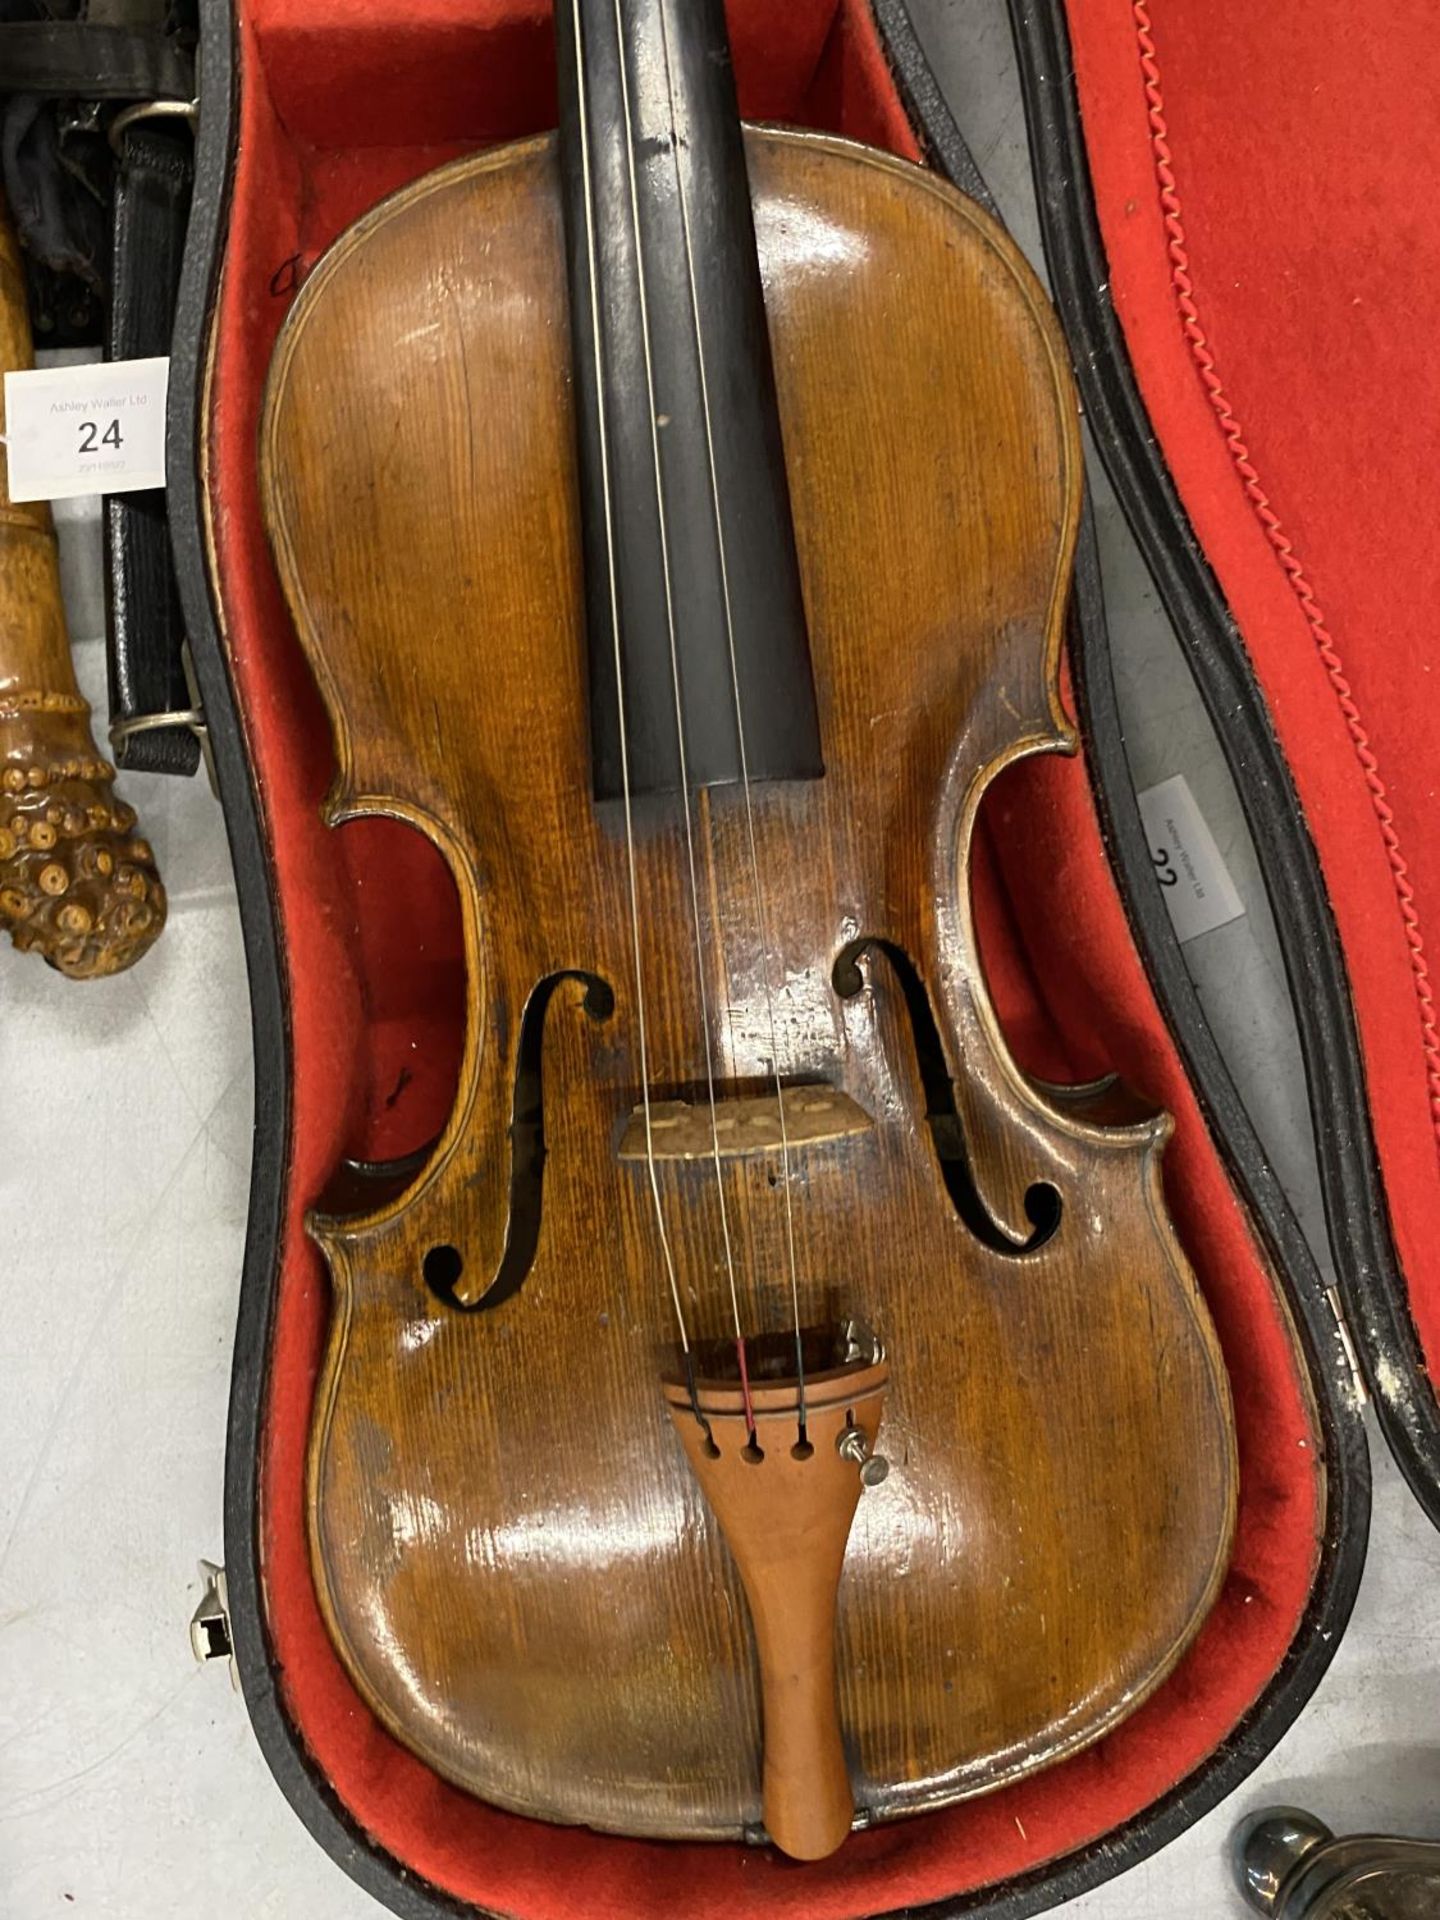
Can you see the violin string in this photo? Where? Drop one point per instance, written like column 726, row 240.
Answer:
column 680, row 724
column 754, row 860
column 636, row 944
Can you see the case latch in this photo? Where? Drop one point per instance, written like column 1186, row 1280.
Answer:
column 210, row 1635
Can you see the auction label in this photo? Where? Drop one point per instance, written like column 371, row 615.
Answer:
column 98, row 428
column 1194, row 879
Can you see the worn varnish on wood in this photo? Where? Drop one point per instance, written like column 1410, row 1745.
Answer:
column 518, row 1565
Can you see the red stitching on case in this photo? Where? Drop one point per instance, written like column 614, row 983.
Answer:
column 1285, row 553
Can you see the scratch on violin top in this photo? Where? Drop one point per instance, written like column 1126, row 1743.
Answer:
column 427, row 330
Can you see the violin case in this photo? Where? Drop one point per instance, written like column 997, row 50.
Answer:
column 1222, row 309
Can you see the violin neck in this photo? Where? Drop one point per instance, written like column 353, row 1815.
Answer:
column 698, row 658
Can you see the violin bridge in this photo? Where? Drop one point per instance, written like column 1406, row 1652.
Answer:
column 744, row 1124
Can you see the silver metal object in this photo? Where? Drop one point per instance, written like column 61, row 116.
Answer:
column 192, row 717
column 210, row 1635
column 862, row 1346
column 852, row 1445
column 1347, row 1343
column 186, row 110
column 1291, row 1866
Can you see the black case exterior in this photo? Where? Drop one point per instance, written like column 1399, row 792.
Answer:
column 1371, row 1283
column 1341, row 1551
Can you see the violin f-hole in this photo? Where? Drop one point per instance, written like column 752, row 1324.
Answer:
column 443, row 1266
column 1043, row 1205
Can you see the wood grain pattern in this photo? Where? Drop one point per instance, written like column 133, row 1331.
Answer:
column 78, row 886
column 514, row 1559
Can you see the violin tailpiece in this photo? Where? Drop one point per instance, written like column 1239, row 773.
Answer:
column 785, row 1507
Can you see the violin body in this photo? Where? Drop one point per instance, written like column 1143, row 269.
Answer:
column 514, row 1556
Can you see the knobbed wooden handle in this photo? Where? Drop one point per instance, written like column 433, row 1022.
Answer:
column 77, row 885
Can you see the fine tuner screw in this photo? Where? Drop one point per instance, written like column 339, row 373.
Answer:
column 852, row 1445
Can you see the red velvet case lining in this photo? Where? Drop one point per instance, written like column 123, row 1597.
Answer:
column 1264, row 183
column 340, row 106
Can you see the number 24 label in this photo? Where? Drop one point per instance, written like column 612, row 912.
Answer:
column 92, row 428
column 93, row 441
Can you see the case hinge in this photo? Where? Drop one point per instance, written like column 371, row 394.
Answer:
column 210, row 1635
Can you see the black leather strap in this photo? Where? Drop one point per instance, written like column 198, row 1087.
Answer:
column 85, row 60
column 146, row 626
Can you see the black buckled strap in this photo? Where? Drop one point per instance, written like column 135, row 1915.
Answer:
column 146, row 627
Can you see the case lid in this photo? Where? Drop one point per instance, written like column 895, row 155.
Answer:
column 1241, row 266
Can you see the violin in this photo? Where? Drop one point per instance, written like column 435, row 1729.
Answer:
column 764, row 1410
